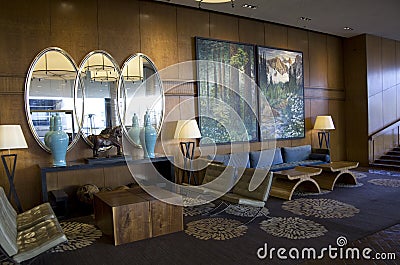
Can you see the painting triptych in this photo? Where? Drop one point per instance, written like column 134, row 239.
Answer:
column 248, row 92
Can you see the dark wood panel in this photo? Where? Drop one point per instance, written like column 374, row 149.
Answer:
column 224, row 27
column 24, row 31
column 165, row 218
column 318, row 60
column 335, row 62
column 356, row 99
column 126, row 40
column 298, row 41
column 276, row 36
column 74, row 27
column 190, row 23
column 132, row 222
column 251, row 31
column 374, row 64
column 158, row 34
column 338, row 136
column 388, row 63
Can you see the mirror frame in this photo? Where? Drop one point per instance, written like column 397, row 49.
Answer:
column 28, row 80
column 79, row 81
column 121, row 113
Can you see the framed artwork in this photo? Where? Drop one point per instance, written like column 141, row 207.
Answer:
column 226, row 92
column 281, row 80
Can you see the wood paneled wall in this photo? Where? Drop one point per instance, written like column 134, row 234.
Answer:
column 372, row 67
column 165, row 33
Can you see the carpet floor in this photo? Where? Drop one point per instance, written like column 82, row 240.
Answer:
column 317, row 221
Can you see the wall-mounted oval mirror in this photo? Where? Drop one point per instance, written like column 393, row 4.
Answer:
column 97, row 87
column 49, row 90
column 141, row 88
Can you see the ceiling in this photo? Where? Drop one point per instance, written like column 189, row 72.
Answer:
column 379, row 18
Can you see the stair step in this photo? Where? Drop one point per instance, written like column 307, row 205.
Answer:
column 396, row 149
column 387, row 161
column 392, row 152
column 390, row 157
column 385, row 165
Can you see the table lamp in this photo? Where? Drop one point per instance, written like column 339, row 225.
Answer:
column 187, row 129
column 11, row 137
column 324, row 124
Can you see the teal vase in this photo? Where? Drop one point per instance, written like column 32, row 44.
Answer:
column 148, row 137
column 51, row 129
column 134, row 131
column 58, row 143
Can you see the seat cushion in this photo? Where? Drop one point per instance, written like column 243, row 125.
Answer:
column 219, row 178
column 265, row 158
column 38, row 239
column 34, row 216
column 298, row 153
column 243, row 187
column 285, row 166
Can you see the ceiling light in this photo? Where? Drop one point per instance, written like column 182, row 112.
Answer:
column 305, row 18
column 249, row 6
column 348, row 28
column 215, row 2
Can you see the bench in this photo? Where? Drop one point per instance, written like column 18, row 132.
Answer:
column 26, row 235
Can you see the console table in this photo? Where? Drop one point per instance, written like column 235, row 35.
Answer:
column 101, row 174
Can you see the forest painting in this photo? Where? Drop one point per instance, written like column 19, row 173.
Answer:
column 227, row 91
column 280, row 75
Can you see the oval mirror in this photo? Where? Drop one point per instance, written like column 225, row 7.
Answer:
column 141, row 88
column 97, row 88
column 49, row 91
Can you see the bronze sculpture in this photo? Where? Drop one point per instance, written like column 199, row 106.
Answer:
column 107, row 137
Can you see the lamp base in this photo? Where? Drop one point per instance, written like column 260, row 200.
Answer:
column 10, row 175
column 324, row 136
column 187, row 149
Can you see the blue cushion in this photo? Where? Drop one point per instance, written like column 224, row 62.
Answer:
column 277, row 157
column 235, row 160
column 298, row 153
column 261, row 159
column 322, row 157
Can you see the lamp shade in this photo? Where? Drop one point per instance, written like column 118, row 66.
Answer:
column 11, row 137
column 54, row 65
column 187, row 129
column 324, row 123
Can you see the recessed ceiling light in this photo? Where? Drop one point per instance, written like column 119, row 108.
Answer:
column 249, row 6
column 305, row 18
column 348, row 28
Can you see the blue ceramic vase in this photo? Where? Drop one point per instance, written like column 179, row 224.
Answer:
column 134, row 131
column 148, row 137
column 51, row 129
column 58, row 143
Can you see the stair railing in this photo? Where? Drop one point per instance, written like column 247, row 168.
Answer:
column 390, row 131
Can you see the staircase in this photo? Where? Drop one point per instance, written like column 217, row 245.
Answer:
column 390, row 159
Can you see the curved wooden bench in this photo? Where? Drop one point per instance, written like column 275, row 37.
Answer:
column 335, row 172
column 285, row 182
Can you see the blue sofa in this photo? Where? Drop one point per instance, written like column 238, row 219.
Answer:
column 282, row 158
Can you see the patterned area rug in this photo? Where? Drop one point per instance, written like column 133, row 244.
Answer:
column 293, row 228
column 79, row 235
column 393, row 183
column 321, row 208
column 215, row 228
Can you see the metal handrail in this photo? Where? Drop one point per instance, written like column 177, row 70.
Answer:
column 381, row 131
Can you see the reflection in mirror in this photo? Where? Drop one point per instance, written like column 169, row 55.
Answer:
column 49, row 90
column 140, row 86
column 98, row 74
